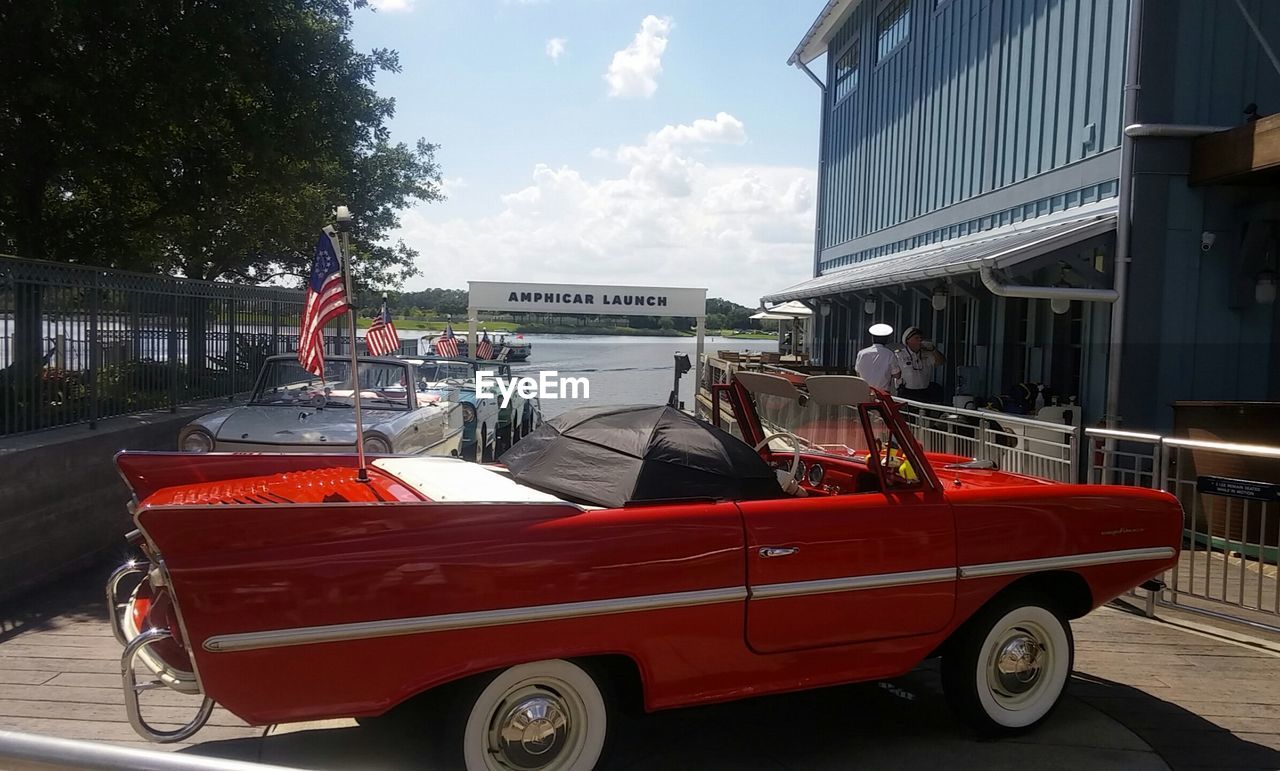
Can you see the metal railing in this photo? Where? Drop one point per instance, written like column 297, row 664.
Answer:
column 1230, row 562
column 1021, row 445
column 1124, row 458
column 46, row 752
column 79, row 344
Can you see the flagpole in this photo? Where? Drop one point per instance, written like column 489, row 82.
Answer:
column 344, row 251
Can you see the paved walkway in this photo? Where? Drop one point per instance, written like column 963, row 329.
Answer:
column 1146, row 695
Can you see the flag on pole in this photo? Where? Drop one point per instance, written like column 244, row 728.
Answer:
column 447, row 345
column 381, row 339
column 484, row 349
column 326, row 300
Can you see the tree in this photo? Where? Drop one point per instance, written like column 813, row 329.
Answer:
column 200, row 137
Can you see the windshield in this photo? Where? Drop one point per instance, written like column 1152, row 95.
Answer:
column 439, row 371
column 285, row 382
column 835, row 429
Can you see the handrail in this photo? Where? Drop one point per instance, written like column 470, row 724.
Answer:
column 1255, row 450
column 56, row 754
column 1111, row 432
column 1002, row 417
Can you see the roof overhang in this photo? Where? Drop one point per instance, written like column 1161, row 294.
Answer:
column 998, row 248
column 814, row 43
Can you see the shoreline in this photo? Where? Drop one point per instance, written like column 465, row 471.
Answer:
column 432, row 328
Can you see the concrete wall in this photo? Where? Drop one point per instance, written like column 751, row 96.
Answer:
column 62, row 504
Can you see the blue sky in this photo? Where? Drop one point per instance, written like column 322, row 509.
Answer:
column 592, row 141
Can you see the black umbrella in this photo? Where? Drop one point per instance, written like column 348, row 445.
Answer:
column 609, row 456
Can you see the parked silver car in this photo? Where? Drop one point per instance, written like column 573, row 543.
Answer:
column 293, row 410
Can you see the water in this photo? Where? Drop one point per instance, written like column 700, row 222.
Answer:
column 622, row 370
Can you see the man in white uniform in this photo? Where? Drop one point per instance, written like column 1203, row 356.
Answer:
column 876, row 364
column 916, row 359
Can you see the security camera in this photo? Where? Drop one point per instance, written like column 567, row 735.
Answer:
column 1206, row 240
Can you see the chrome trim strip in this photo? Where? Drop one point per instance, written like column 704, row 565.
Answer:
column 363, row 630
column 852, row 583
column 1068, row 561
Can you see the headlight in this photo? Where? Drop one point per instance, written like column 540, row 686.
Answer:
column 377, row 445
column 468, row 414
column 198, row 440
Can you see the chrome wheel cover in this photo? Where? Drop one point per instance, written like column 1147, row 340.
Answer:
column 1016, row 664
column 537, row 725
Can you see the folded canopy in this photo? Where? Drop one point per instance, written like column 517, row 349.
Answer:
column 611, row 456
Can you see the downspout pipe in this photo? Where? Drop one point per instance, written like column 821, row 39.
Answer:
column 1000, row 289
column 1124, row 218
column 818, row 223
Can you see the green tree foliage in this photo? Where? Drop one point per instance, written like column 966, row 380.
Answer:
column 721, row 314
column 206, row 137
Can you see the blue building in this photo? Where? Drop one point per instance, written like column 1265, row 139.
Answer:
column 1078, row 193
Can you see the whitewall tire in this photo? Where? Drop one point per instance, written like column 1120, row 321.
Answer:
column 544, row 716
column 1008, row 667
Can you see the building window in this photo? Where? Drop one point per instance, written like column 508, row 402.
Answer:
column 892, row 27
column 847, row 71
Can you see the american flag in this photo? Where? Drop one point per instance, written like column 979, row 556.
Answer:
column 484, row 350
column 326, row 300
column 447, row 345
column 381, row 339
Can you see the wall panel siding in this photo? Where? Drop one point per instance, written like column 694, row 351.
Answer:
column 983, row 94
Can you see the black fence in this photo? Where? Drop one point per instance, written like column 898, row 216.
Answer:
column 79, row 344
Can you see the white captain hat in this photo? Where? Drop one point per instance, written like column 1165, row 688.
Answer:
column 880, row 330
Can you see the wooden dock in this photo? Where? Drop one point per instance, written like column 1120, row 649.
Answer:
column 1146, row 694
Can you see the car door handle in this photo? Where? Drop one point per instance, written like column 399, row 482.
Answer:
column 778, row 551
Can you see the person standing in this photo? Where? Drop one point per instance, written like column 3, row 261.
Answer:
column 876, row 363
column 916, row 361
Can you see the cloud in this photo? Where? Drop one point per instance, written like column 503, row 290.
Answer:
column 667, row 214
column 392, row 6
column 634, row 71
column 555, row 48
column 449, row 186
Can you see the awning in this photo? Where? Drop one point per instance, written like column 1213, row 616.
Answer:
column 998, row 248
column 784, row 312
column 814, row 43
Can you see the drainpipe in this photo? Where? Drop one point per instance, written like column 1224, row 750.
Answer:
column 992, row 282
column 1132, row 85
column 818, row 223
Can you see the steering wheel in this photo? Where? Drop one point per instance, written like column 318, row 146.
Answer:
column 790, row 485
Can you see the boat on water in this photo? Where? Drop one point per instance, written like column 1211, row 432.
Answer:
column 508, row 348
column 513, row 348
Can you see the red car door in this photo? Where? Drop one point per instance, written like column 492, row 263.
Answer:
column 848, row 568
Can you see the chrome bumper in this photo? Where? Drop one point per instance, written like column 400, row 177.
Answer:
column 136, row 649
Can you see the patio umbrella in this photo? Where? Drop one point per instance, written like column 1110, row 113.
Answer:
column 610, row 456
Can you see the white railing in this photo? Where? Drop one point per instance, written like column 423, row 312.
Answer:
column 1230, row 562
column 1017, row 444
column 1124, row 458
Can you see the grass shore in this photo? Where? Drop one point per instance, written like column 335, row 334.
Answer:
column 507, row 327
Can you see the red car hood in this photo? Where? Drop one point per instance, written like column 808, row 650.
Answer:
column 950, row 471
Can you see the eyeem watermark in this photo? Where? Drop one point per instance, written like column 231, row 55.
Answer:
column 547, row 385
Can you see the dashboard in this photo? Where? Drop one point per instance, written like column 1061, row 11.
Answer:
column 826, row 475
